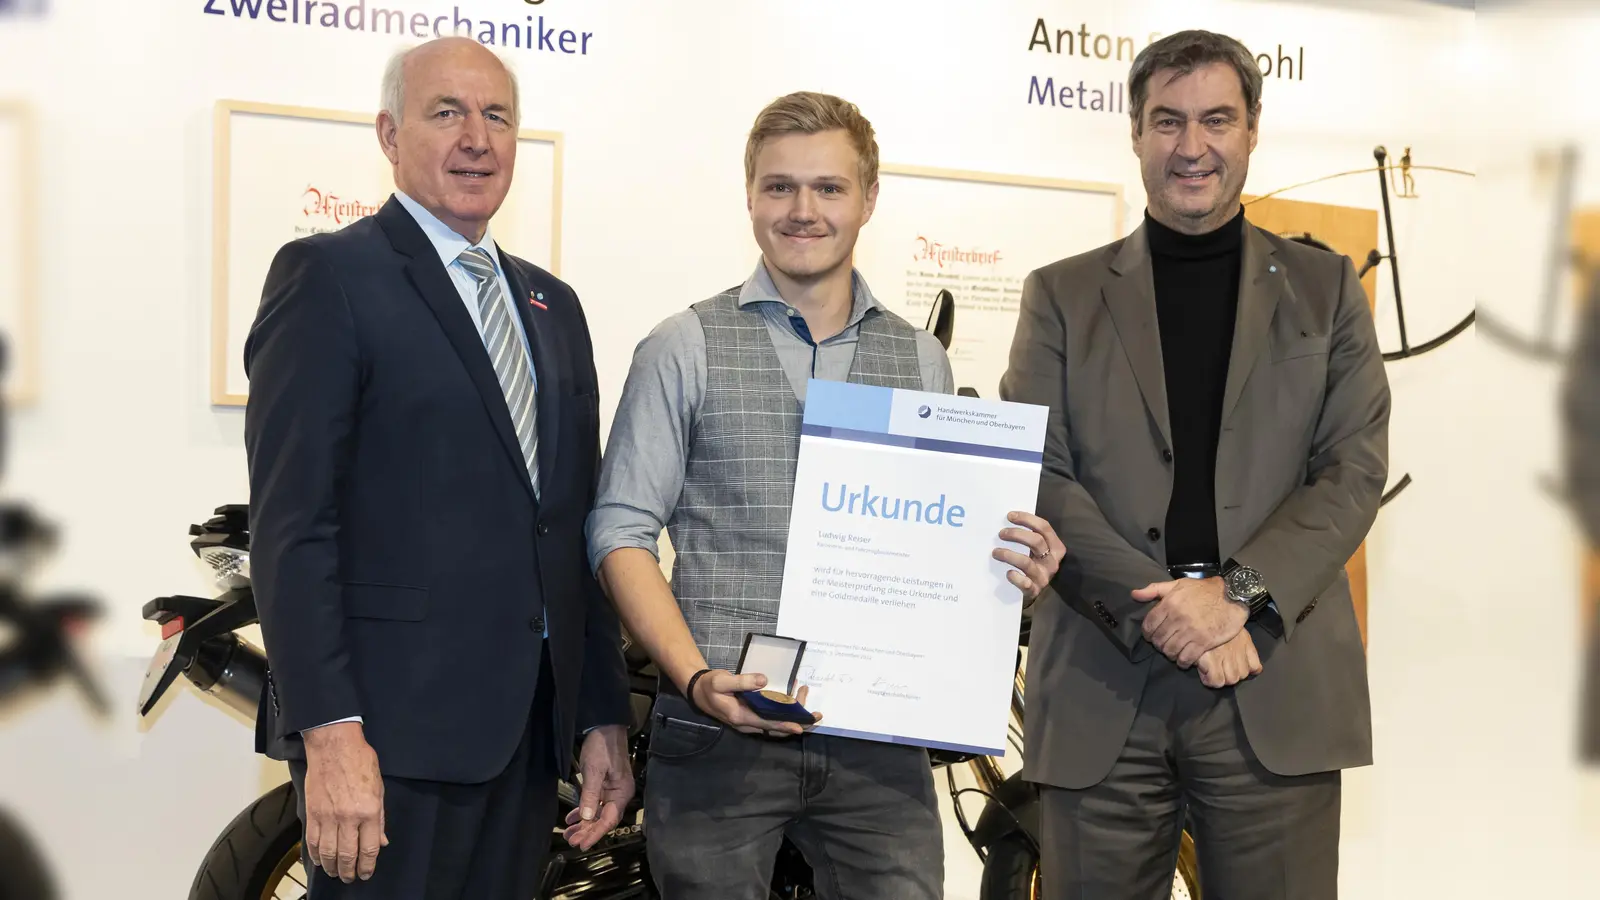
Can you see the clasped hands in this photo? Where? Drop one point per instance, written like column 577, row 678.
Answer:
column 1194, row 623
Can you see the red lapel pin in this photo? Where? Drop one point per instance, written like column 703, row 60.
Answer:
column 534, row 298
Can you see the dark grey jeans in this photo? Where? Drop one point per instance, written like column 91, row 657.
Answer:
column 718, row 804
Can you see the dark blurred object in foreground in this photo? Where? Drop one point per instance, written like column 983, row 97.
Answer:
column 37, row 644
column 36, row 633
column 1581, row 452
column 41, row 630
column 22, row 873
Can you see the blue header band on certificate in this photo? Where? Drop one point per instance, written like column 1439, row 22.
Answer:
column 926, row 420
column 841, row 404
column 917, row 443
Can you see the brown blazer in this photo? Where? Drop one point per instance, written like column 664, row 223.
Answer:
column 1301, row 464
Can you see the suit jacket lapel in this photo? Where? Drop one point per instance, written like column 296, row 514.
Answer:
column 1131, row 298
column 546, row 369
column 1261, row 282
column 431, row 280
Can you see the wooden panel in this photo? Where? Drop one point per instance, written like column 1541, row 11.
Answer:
column 1353, row 232
column 1356, row 568
column 1586, row 249
column 1591, row 590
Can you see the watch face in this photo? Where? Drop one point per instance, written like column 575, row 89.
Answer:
column 1245, row 582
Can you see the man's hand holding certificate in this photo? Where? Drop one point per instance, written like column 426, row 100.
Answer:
column 908, row 563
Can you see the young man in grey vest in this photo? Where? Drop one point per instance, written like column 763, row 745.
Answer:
column 705, row 445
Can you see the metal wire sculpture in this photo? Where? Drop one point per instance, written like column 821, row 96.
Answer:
column 1385, row 172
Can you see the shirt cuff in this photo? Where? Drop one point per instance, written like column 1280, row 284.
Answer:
column 613, row 527
column 334, row 722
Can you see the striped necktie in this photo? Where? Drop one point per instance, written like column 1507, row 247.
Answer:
column 505, row 353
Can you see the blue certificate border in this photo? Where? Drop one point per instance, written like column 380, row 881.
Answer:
column 918, row 443
column 862, row 413
column 896, row 739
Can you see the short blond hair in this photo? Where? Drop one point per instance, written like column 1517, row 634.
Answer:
column 807, row 112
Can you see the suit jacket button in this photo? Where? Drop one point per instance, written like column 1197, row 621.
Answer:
column 543, row 529
column 536, row 624
column 1153, row 534
column 1166, row 455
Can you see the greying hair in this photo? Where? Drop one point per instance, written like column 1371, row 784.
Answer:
column 393, row 95
column 808, row 112
column 1189, row 50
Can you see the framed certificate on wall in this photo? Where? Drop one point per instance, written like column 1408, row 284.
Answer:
column 283, row 173
column 976, row 235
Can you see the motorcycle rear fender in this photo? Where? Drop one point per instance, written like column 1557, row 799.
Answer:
column 162, row 610
column 214, row 618
column 1014, row 805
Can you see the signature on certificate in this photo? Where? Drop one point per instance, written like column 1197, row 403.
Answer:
column 808, row 675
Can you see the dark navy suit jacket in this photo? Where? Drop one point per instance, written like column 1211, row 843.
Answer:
column 403, row 568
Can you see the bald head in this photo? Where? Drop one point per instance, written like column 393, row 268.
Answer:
column 444, row 52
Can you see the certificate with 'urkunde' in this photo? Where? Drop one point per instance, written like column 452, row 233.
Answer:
column 910, row 623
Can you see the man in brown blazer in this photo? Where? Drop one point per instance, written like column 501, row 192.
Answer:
column 1217, row 448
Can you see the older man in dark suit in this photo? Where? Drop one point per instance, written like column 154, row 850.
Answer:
column 423, row 438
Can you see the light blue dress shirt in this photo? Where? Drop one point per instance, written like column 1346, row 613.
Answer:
column 451, row 245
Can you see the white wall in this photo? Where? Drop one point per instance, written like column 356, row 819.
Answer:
column 124, row 449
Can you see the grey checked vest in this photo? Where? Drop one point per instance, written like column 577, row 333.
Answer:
column 731, row 526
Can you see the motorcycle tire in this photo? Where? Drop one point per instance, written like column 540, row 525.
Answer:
column 1011, row 871
column 25, row 876
column 254, row 853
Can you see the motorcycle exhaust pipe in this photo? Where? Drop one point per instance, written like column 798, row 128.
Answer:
column 232, row 670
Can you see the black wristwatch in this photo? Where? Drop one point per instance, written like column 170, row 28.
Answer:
column 1244, row 585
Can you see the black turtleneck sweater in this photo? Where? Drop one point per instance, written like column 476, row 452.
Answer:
column 1197, row 293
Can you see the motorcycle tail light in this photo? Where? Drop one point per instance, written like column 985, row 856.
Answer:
column 171, row 627
column 230, row 567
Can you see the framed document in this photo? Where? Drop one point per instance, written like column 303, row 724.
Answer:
column 910, row 625
column 19, row 251
column 282, row 173
column 977, row 235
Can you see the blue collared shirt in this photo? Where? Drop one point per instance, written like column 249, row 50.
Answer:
column 642, row 471
column 451, row 245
